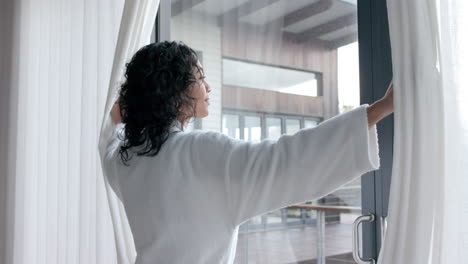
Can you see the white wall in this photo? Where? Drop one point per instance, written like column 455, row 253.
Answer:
column 202, row 33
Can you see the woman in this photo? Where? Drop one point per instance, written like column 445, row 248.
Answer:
column 185, row 194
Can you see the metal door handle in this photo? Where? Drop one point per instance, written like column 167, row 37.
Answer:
column 383, row 228
column 356, row 256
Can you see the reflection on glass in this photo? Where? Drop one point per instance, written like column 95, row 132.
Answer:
column 231, row 126
column 273, row 127
column 252, row 128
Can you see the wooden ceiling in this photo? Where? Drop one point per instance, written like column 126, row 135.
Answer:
column 333, row 22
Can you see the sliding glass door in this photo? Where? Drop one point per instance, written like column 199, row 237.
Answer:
column 275, row 67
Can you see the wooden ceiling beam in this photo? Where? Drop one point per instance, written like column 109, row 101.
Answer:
column 245, row 9
column 329, row 27
column 182, row 5
column 306, row 12
column 334, row 44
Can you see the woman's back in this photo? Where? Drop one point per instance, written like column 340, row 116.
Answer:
column 174, row 214
column 185, row 204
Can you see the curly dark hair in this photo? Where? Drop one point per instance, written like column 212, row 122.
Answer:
column 157, row 84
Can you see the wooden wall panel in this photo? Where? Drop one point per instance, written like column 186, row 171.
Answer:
column 269, row 45
column 258, row 100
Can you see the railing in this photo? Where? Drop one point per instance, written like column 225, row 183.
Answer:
column 321, row 209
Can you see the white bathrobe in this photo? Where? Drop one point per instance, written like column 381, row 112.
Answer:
column 185, row 204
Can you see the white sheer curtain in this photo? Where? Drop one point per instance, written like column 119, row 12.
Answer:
column 428, row 200
column 57, row 58
column 135, row 31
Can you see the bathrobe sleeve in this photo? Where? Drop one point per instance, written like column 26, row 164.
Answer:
column 109, row 168
column 260, row 177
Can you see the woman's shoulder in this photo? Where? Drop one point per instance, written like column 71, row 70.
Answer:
column 199, row 135
column 204, row 138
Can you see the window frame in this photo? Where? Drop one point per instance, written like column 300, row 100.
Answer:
column 263, row 115
column 375, row 67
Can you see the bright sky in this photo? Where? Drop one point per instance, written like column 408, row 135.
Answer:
column 348, row 75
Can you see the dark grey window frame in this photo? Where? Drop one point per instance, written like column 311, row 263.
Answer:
column 162, row 25
column 375, row 64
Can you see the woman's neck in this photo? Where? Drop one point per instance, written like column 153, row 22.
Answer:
column 184, row 123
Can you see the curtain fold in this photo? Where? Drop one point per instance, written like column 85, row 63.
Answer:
column 135, row 31
column 57, row 59
column 428, row 204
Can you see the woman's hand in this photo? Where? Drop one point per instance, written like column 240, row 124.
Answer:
column 387, row 100
column 382, row 108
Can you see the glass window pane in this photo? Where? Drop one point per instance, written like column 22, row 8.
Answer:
column 278, row 58
column 231, row 126
column 292, row 126
column 265, row 77
column 190, row 126
column 310, row 123
column 348, row 77
column 273, row 127
column 252, row 128
column 275, row 218
column 296, row 215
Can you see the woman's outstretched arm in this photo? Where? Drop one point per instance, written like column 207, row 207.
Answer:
column 259, row 177
column 255, row 178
